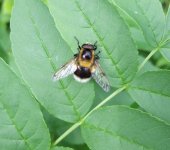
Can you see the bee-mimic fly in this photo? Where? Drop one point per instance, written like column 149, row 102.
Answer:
column 84, row 66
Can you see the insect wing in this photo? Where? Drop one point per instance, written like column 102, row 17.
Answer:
column 66, row 70
column 100, row 77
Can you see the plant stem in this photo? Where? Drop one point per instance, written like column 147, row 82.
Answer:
column 105, row 101
column 76, row 125
column 67, row 132
column 148, row 57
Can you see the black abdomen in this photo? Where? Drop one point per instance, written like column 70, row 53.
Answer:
column 83, row 72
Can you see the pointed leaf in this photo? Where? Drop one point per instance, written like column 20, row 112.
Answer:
column 151, row 91
column 148, row 15
column 22, row 124
column 123, row 128
column 39, row 51
column 96, row 20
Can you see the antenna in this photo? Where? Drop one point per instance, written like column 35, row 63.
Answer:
column 78, row 43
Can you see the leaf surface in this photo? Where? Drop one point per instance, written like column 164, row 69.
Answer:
column 165, row 49
column 149, row 18
column 39, row 51
column 22, row 124
column 61, row 148
column 167, row 33
column 123, row 128
column 151, row 91
column 96, row 20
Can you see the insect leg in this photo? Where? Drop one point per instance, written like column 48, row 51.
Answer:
column 75, row 55
column 97, row 55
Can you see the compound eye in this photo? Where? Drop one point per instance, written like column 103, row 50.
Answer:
column 86, row 55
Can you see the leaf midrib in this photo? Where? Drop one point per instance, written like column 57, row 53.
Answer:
column 14, row 124
column 53, row 65
column 148, row 21
column 101, row 41
column 114, row 134
column 124, row 11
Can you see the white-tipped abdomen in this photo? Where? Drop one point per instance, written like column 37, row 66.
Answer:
column 80, row 79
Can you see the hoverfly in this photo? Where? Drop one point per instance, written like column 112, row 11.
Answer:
column 84, row 66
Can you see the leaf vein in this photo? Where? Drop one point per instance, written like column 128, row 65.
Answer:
column 14, row 124
column 114, row 134
column 147, row 20
column 53, row 66
column 152, row 91
column 101, row 40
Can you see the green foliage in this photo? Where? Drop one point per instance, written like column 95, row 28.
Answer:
column 61, row 148
column 134, row 39
column 115, row 44
column 125, row 128
column 45, row 52
column 151, row 92
column 166, row 47
column 6, row 11
column 168, row 24
column 147, row 25
column 20, row 127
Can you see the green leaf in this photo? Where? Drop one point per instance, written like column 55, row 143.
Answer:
column 61, row 148
column 57, row 127
column 13, row 65
column 122, row 128
column 75, row 137
column 39, row 51
column 122, row 98
column 45, row 2
column 165, row 51
column 151, row 91
column 6, row 11
column 149, row 16
column 167, row 33
column 149, row 66
column 163, row 63
column 97, row 21
column 135, row 29
column 22, row 124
